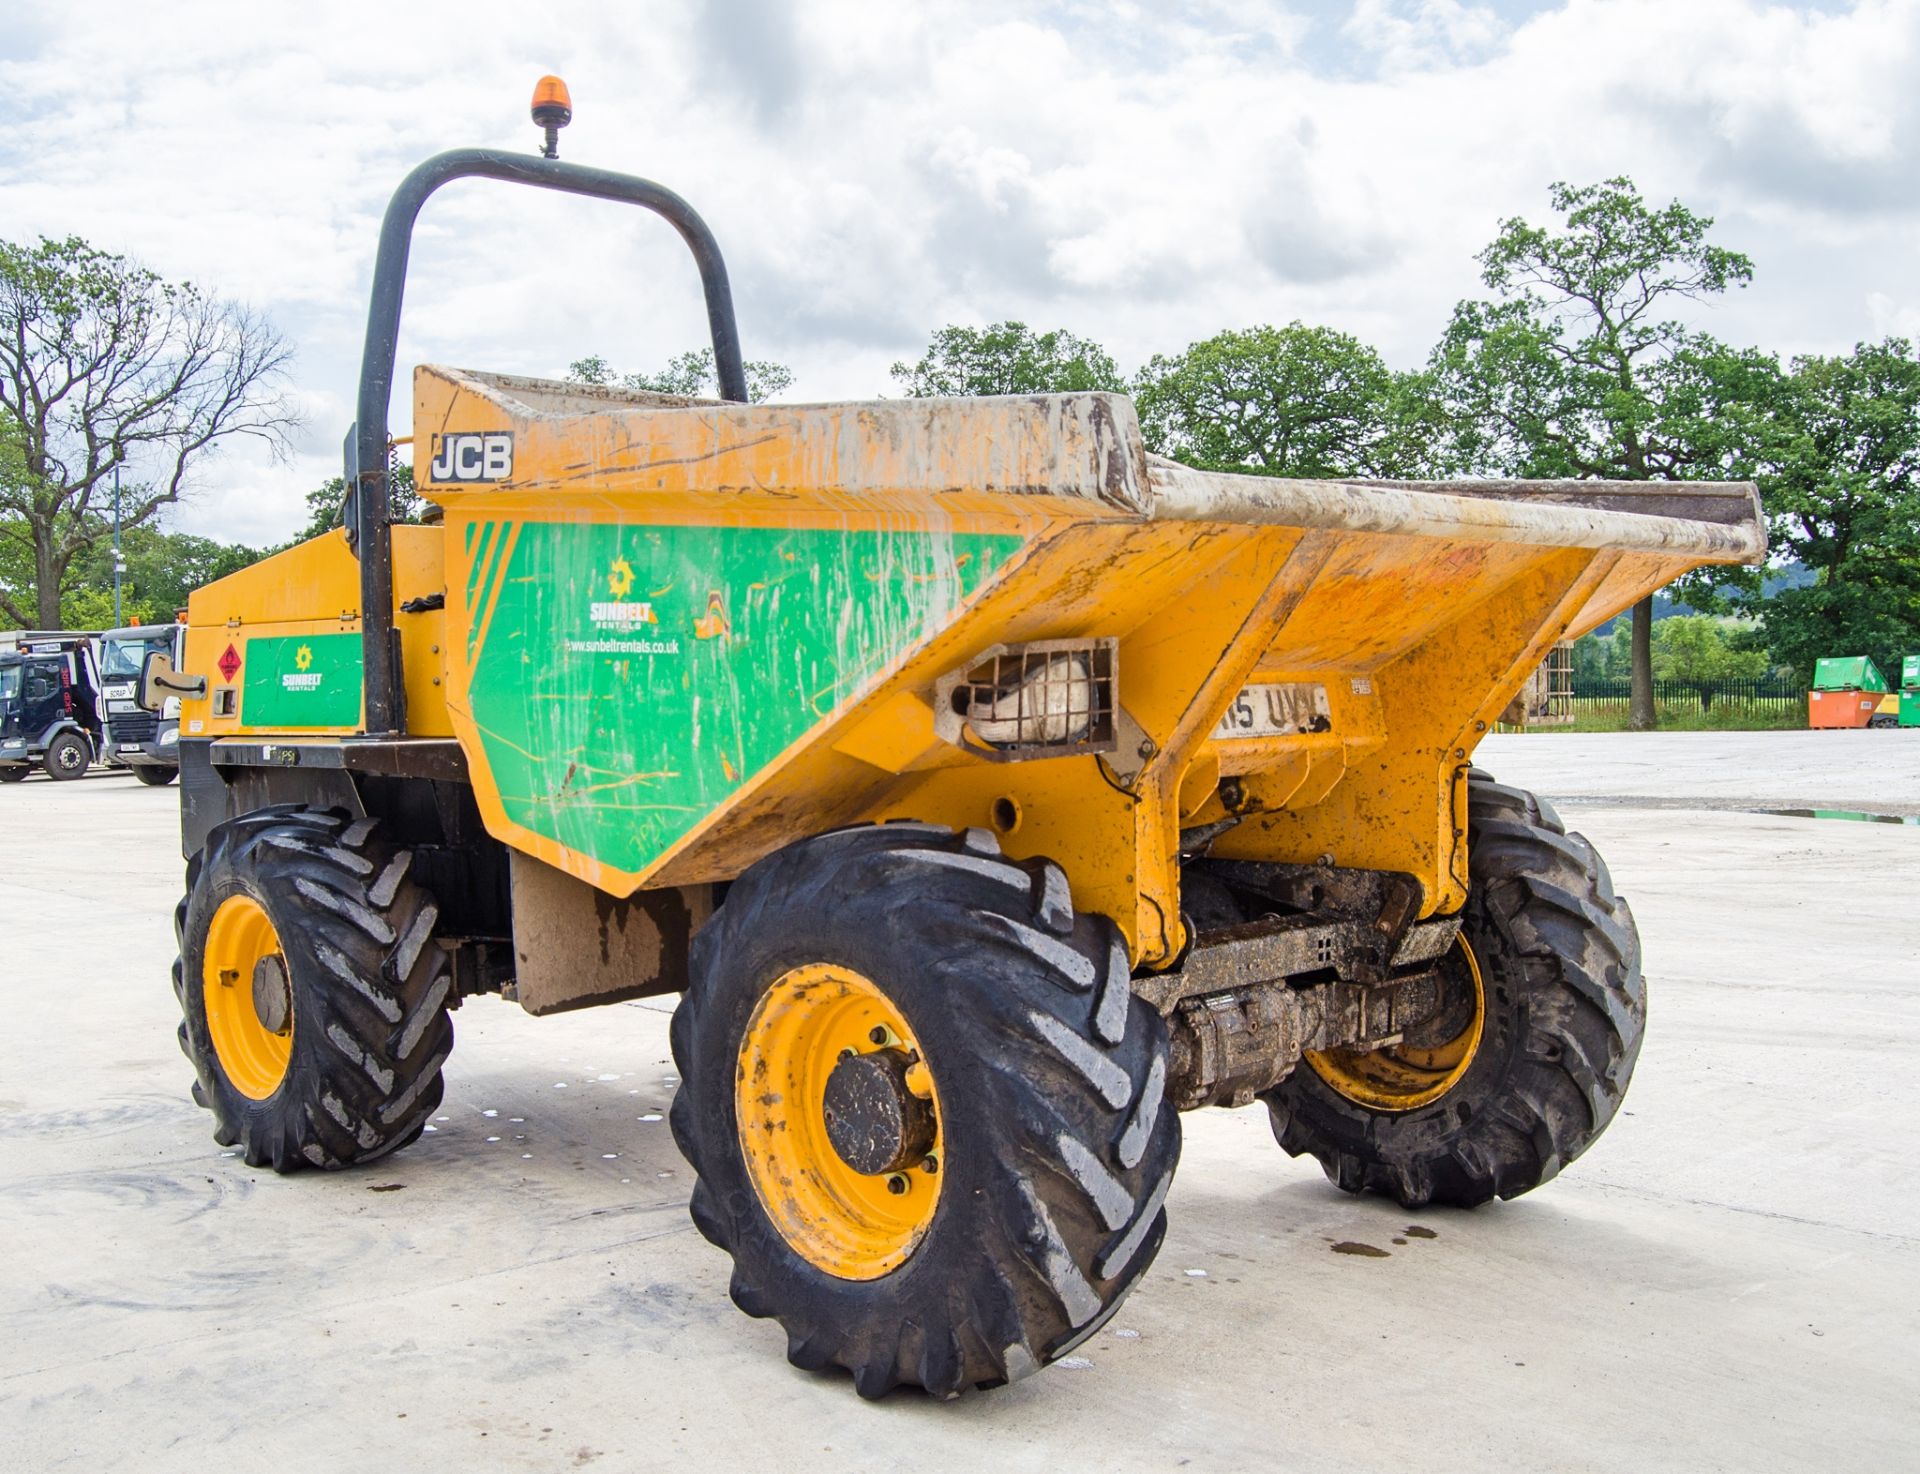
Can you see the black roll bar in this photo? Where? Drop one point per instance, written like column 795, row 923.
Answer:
column 367, row 477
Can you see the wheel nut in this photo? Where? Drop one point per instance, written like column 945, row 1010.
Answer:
column 878, row 1034
column 931, row 1165
column 897, row 1183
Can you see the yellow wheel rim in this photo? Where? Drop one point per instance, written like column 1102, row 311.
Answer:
column 253, row 1054
column 847, row 1223
column 1401, row 1077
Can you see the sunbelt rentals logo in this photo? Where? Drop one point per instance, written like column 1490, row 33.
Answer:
column 625, row 615
column 303, row 677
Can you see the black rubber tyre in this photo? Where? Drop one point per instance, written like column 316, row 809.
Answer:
column 1057, row 1149
column 1566, row 1007
column 67, row 756
column 1882, row 723
column 370, row 988
column 13, row 773
column 155, row 776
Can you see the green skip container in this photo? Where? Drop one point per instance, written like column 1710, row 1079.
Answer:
column 1849, row 673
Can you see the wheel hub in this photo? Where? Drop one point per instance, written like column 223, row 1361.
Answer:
column 876, row 1124
column 838, row 1120
column 272, row 998
column 1432, row 1058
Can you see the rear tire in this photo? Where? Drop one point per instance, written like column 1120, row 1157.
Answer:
column 155, row 776
column 13, row 773
column 368, row 989
column 67, row 756
column 1565, row 1011
column 1055, row 1148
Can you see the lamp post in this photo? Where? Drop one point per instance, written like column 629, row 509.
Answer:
column 118, row 565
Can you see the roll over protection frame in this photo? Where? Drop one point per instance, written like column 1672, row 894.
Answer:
column 367, row 476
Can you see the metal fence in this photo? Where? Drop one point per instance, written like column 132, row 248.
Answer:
column 1771, row 697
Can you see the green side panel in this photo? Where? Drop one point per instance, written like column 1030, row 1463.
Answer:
column 301, row 681
column 1910, row 708
column 1910, row 673
column 1847, row 673
column 632, row 679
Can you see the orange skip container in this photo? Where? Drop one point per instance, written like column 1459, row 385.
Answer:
column 1853, row 708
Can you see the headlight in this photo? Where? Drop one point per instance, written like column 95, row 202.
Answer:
column 1047, row 698
column 169, row 737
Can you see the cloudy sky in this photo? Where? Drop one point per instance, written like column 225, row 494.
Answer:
column 1145, row 174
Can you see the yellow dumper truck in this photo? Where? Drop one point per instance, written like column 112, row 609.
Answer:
column 990, row 789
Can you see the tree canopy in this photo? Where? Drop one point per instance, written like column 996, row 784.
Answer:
column 1577, row 366
column 1834, row 443
column 327, row 502
column 1007, row 358
column 1576, row 361
column 1291, row 401
column 689, row 375
column 104, row 369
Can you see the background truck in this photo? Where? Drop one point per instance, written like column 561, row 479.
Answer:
column 50, row 707
column 990, row 789
column 135, row 737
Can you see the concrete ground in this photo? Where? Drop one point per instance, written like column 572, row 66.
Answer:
column 1730, row 1280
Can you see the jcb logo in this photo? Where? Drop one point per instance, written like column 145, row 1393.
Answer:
column 487, row 457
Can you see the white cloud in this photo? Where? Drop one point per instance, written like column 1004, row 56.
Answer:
column 1144, row 174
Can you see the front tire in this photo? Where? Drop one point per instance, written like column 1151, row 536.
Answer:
column 1052, row 1142
column 67, row 756
column 1555, row 958
column 314, row 996
column 155, row 776
column 13, row 773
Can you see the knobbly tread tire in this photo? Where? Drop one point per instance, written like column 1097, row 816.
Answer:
column 1566, row 1012
column 371, row 988
column 1057, row 1147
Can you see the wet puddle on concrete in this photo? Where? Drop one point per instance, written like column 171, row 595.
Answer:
column 1856, row 816
column 1370, row 1251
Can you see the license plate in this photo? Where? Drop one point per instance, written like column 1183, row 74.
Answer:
column 122, row 706
column 1276, row 710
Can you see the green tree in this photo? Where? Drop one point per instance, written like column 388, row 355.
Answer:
column 1590, row 657
column 1007, row 358
column 1839, row 472
column 1578, row 368
column 1291, row 401
column 326, row 503
column 1695, row 647
column 106, row 368
column 688, row 375
column 162, row 569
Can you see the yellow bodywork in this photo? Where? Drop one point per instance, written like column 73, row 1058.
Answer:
column 314, row 589
column 1418, row 612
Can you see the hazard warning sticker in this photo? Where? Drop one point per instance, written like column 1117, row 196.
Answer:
column 229, row 663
